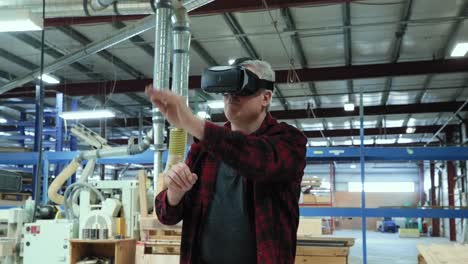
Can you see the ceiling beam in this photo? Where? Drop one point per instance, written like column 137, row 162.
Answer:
column 306, row 75
column 397, row 44
column 346, row 132
column 446, row 48
column 79, row 37
column 203, row 53
column 371, row 131
column 236, row 28
column 320, row 113
column 54, row 53
column 136, row 40
column 215, row 7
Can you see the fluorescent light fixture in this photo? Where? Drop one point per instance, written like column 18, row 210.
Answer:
column 13, row 20
column 410, row 130
column 218, row 104
column 29, row 133
column 231, row 61
column 349, row 107
column 203, row 114
column 460, row 50
column 353, row 166
column 4, row 134
column 92, row 114
column 3, row 120
column 383, row 141
column 49, row 79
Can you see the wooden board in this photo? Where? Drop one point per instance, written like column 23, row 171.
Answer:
column 320, row 260
column 144, row 255
column 444, row 254
column 310, row 226
column 123, row 251
column 142, row 193
column 322, row 251
column 348, row 242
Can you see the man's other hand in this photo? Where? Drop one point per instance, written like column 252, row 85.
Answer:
column 179, row 179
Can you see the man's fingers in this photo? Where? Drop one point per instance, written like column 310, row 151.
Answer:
column 179, row 177
column 194, row 178
column 184, row 173
column 174, row 180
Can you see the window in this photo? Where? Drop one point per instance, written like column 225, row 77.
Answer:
column 381, row 186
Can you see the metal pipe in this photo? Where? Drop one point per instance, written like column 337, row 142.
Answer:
column 161, row 73
column 88, row 50
column 447, row 122
column 74, row 8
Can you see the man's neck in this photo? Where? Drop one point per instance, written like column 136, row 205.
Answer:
column 249, row 127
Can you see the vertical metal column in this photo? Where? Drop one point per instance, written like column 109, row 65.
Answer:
column 435, row 221
column 451, row 171
column 162, row 52
column 22, row 129
column 58, row 122
column 58, row 128
column 422, row 194
column 73, row 140
column 363, row 177
column 38, row 140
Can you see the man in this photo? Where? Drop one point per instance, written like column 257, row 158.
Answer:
column 238, row 191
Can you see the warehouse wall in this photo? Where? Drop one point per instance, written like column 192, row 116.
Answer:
column 373, row 200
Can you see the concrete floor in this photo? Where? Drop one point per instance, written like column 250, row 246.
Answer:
column 386, row 248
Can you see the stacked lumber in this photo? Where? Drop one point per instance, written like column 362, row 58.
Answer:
column 442, row 254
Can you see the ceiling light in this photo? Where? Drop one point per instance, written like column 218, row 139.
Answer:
column 460, row 50
column 349, row 107
column 3, row 120
column 13, row 20
column 353, row 166
column 93, row 114
column 410, row 130
column 231, row 61
column 203, row 114
column 218, row 104
column 49, row 79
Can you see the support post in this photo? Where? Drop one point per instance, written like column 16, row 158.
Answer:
column 435, row 221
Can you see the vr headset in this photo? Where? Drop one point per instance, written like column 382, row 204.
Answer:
column 234, row 79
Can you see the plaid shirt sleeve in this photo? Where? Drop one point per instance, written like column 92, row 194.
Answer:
column 167, row 214
column 269, row 157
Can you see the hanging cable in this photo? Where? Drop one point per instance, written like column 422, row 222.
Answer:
column 292, row 76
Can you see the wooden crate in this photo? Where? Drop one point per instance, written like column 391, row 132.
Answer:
column 164, row 252
column 309, row 226
column 323, row 250
column 443, row 254
column 121, row 250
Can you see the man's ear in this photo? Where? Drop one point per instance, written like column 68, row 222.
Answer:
column 267, row 96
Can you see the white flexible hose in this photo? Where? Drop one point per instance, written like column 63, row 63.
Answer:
column 60, row 180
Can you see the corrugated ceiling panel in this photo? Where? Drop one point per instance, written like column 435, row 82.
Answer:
column 408, row 82
column 421, row 42
column 317, row 16
column 426, row 9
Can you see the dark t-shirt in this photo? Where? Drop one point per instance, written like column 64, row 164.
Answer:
column 228, row 235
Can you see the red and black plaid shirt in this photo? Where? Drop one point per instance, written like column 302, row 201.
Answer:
column 271, row 161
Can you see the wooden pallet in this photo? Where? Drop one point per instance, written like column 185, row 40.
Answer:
column 443, row 254
column 323, row 250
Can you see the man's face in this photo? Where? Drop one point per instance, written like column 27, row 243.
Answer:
column 243, row 109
